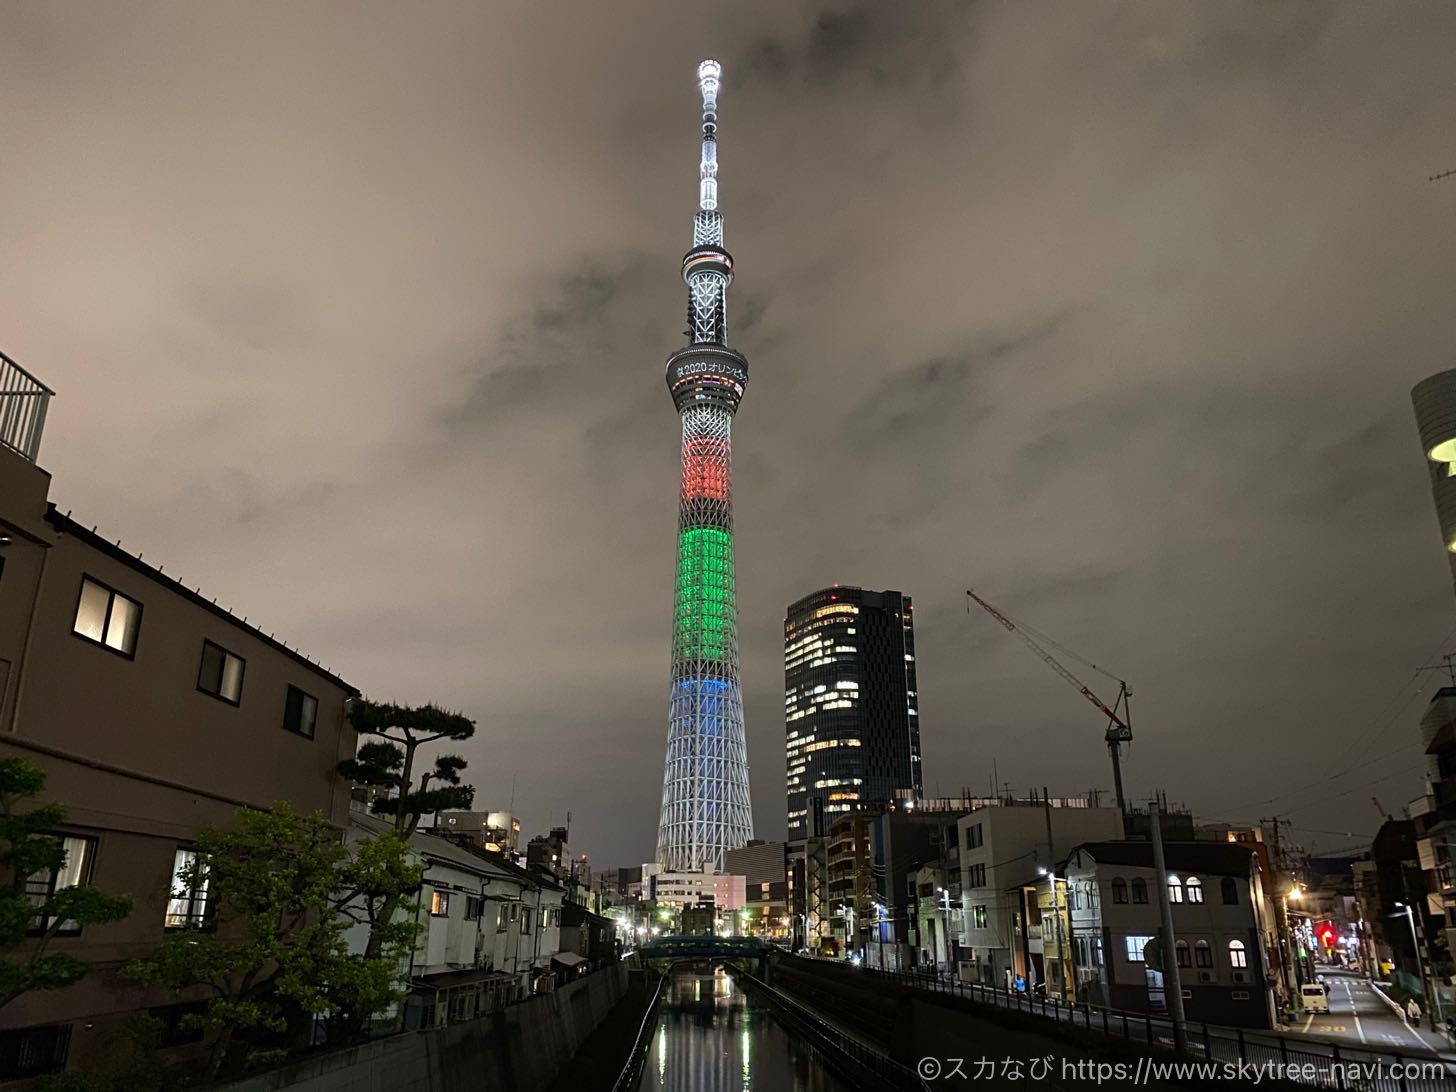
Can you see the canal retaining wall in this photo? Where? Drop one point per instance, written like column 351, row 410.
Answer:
column 517, row 1049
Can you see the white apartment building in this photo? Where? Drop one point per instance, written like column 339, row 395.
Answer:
column 1002, row 845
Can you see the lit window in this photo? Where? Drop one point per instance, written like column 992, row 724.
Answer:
column 75, row 870
column 1134, row 946
column 1237, row 956
column 187, row 905
column 439, row 904
column 1194, row 889
column 107, row 617
column 221, row 673
column 300, row 713
column 1175, row 889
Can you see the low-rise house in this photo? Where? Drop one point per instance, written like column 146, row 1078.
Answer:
column 489, row 930
column 1219, row 916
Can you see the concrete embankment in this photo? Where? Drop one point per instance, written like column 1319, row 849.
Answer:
column 518, row 1049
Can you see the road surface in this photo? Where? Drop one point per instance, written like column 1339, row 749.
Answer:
column 1358, row 1015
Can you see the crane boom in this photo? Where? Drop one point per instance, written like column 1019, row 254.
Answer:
column 1119, row 730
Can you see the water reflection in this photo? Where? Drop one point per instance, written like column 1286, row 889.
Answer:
column 714, row 1037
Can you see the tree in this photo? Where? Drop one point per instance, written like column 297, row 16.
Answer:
column 29, row 921
column 391, row 764
column 374, row 888
column 272, row 940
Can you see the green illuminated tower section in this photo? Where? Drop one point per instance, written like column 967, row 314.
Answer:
column 705, row 803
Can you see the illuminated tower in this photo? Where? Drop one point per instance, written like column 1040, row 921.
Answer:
column 705, row 804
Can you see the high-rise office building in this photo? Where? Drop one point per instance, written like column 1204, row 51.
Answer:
column 1434, row 399
column 705, row 805
column 851, row 709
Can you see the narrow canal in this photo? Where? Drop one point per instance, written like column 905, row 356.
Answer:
column 713, row 1036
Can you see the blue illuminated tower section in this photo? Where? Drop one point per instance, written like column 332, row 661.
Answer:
column 705, row 804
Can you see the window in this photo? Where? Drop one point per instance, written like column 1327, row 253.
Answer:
column 1119, row 890
column 472, row 908
column 1203, row 954
column 1183, row 954
column 976, row 876
column 1193, row 888
column 188, row 903
column 74, row 871
column 1074, row 897
column 439, row 904
column 525, row 919
column 978, row 917
column 503, row 917
column 973, row 837
column 29, row 1052
column 1175, row 889
column 1134, row 946
column 221, row 673
column 107, row 617
column 1139, row 890
column 1230, row 891
column 1238, row 958
column 300, row 713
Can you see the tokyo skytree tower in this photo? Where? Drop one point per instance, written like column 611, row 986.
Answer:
column 705, row 804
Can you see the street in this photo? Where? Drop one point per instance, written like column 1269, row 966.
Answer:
column 1360, row 1016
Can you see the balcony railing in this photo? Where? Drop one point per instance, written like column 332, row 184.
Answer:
column 23, row 400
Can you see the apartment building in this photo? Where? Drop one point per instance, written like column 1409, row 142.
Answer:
column 154, row 713
column 1005, row 842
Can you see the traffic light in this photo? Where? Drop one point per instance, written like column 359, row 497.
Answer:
column 1327, row 934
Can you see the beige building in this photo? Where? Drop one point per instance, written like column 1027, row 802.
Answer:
column 154, row 713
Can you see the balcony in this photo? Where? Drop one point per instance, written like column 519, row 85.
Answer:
column 23, row 400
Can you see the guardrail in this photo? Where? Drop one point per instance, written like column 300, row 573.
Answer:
column 1327, row 1064
column 632, row 1071
column 23, row 401
column 840, row 1049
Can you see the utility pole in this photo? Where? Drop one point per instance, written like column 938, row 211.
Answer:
column 1281, row 920
column 1172, row 983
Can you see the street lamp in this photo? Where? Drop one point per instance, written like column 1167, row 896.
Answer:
column 1433, row 999
column 1056, row 925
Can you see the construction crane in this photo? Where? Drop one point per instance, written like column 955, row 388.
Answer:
column 1119, row 730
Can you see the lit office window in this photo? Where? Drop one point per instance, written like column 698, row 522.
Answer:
column 188, row 902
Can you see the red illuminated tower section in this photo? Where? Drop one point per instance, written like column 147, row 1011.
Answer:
column 705, row 804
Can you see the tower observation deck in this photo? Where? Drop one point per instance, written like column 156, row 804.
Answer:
column 705, row 801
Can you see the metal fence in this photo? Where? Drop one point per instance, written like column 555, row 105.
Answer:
column 23, row 400
column 853, row 1058
column 1319, row 1063
column 632, row 1071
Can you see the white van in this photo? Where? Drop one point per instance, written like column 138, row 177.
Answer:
column 1313, row 995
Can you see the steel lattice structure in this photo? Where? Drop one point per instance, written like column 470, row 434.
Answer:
column 705, row 804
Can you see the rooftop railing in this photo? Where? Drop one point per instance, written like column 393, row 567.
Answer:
column 23, row 400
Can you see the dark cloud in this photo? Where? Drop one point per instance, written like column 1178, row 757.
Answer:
column 358, row 318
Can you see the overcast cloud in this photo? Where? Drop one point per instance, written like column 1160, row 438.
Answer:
column 357, row 316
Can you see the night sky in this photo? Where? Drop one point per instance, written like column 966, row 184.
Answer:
column 357, row 317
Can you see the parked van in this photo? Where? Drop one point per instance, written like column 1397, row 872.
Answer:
column 1314, row 997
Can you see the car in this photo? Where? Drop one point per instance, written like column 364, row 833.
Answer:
column 1314, row 997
